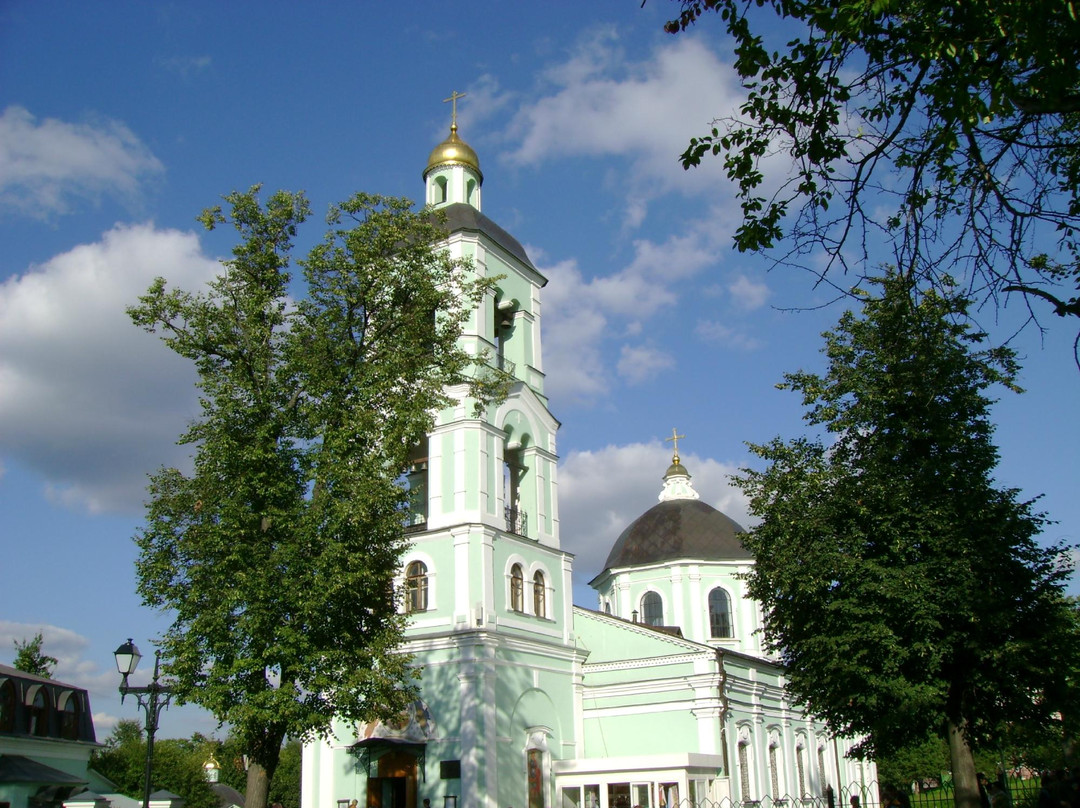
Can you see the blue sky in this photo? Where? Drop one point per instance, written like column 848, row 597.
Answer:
column 121, row 121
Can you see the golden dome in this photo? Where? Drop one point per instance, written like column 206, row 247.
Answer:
column 453, row 151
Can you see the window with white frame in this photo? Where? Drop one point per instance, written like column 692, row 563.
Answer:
column 517, row 589
column 539, row 595
column 652, row 609
column 720, row 614
column 416, row 587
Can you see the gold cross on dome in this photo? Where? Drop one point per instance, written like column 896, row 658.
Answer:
column 454, row 96
column 675, row 439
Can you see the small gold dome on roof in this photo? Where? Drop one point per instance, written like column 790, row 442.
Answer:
column 676, row 468
column 453, row 151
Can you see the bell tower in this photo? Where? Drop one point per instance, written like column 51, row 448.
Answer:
column 485, row 583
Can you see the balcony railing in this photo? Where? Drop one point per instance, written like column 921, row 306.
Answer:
column 517, row 522
column 414, row 521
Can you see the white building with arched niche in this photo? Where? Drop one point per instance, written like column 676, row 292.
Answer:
column 660, row 697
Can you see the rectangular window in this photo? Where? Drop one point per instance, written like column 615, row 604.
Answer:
column 618, row 795
column 640, row 795
column 669, row 795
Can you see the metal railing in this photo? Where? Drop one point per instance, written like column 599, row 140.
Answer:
column 1021, row 793
column 517, row 521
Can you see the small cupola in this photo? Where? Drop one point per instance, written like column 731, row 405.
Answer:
column 677, row 479
column 454, row 151
column 453, row 169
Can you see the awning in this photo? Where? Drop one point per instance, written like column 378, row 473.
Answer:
column 377, row 747
column 21, row 769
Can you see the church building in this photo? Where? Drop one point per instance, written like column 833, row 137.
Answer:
column 660, row 697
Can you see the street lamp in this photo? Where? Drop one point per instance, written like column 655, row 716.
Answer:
column 152, row 698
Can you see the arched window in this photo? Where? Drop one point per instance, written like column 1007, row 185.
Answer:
column 438, row 191
column 37, row 714
column 517, row 589
column 539, row 595
column 68, row 708
column 719, row 614
column 416, row 587
column 7, row 706
column 652, row 609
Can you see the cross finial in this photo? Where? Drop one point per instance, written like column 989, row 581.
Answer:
column 454, row 96
column 675, row 439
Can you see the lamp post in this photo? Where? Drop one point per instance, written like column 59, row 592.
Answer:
column 153, row 698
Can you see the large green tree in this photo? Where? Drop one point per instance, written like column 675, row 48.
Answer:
column 276, row 557
column 904, row 592
column 950, row 130
column 29, row 657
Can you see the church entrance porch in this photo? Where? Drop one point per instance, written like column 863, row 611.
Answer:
column 395, row 784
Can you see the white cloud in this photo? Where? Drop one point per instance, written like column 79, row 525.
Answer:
column 68, row 647
column 586, row 318
column 43, row 164
column 88, row 400
column 716, row 332
column 641, row 109
column 748, row 294
column 100, row 679
column 600, row 102
column 486, row 99
column 602, row 492
column 642, row 363
column 573, row 330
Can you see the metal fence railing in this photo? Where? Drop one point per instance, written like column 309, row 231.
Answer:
column 1021, row 793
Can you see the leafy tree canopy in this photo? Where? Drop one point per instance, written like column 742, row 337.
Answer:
column 904, row 592
column 29, row 658
column 951, row 129
column 179, row 766
column 277, row 555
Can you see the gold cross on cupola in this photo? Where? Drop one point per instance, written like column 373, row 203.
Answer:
column 675, row 439
column 454, row 96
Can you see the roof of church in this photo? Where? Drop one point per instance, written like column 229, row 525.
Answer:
column 680, row 527
column 675, row 529
column 460, row 216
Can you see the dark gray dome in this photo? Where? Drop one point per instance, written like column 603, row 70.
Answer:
column 678, row 529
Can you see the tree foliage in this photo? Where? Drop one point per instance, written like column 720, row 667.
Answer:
column 277, row 555
column 29, row 658
column 284, row 788
column 951, row 129
column 904, row 592
column 179, row 766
